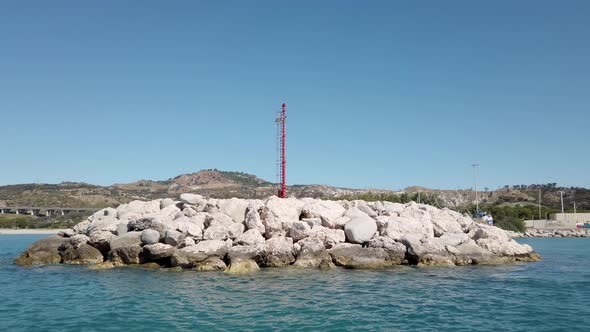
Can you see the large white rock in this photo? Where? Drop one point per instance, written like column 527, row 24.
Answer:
column 188, row 211
column 149, row 223
column 327, row 211
column 329, row 236
column 395, row 250
column 398, row 227
column 360, row 230
column 223, row 232
column 429, row 252
column 212, row 247
column 79, row 239
column 279, row 251
column 452, row 239
column 104, row 224
column 185, row 226
column 167, row 202
column 102, row 239
column 444, row 222
column 129, row 239
column 173, row 237
column 158, row 251
column 218, row 219
column 234, row 207
column 479, row 231
column 150, row 236
column 311, row 253
column 192, row 199
column 187, row 242
column 136, row 209
column 193, row 256
column 504, row 247
column 279, row 214
column 106, row 213
column 365, row 207
column 299, row 230
column 253, row 220
column 251, row 237
column 393, row 209
column 82, row 228
column 355, row 212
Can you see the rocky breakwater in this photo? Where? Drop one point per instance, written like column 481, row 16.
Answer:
column 548, row 232
column 238, row 236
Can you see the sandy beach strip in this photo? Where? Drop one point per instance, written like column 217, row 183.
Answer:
column 29, row 231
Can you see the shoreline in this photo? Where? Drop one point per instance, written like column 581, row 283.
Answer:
column 29, row 231
column 553, row 233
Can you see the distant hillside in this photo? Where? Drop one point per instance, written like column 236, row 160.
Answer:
column 223, row 184
column 514, row 195
column 211, row 183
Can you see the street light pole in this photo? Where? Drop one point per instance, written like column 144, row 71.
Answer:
column 475, row 165
column 540, row 205
column 561, row 194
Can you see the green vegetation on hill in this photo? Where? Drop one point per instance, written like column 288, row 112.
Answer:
column 426, row 198
column 244, row 179
column 25, row 221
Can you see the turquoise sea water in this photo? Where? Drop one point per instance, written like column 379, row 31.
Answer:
column 552, row 295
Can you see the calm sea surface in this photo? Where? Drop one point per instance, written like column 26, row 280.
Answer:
column 553, row 295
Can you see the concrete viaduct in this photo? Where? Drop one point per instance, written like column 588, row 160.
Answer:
column 42, row 211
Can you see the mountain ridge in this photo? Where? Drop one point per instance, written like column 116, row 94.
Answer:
column 225, row 184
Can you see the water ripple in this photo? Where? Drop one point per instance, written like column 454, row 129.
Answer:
column 546, row 296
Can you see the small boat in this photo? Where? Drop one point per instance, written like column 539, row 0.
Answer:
column 483, row 217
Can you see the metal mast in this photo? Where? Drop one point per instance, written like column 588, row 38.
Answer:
column 475, row 165
column 282, row 150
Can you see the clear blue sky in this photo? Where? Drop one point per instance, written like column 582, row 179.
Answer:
column 382, row 94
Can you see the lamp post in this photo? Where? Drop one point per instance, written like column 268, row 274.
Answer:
column 475, row 166
column 561, row 195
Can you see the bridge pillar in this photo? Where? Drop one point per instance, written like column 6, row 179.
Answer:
column 62, row 212
column 17, row 211
column 32, row 212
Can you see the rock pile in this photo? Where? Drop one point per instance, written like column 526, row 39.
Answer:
column 548, row 232
column 238, row 236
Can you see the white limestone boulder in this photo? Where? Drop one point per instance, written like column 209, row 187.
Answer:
column 253, row 221
column 186, row 226
column 251, row 237
column 279, row 214
column 235, row 208
column 223, row 232
column 299, row 230
column 396, row 252
column 150, row 236
column 397, row 227
column 192, row 199
column 173, row 237
column 279, row 252
column 136, row 209
column 158, row 251
column 218, row 219
column 192, row 256
column 360, row 230
column 327, row 211
column 444, row 222
column 129, row 239
column 311, row 253
column 329, row 236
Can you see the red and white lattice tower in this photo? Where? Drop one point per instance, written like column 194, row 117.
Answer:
column 281, row 151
